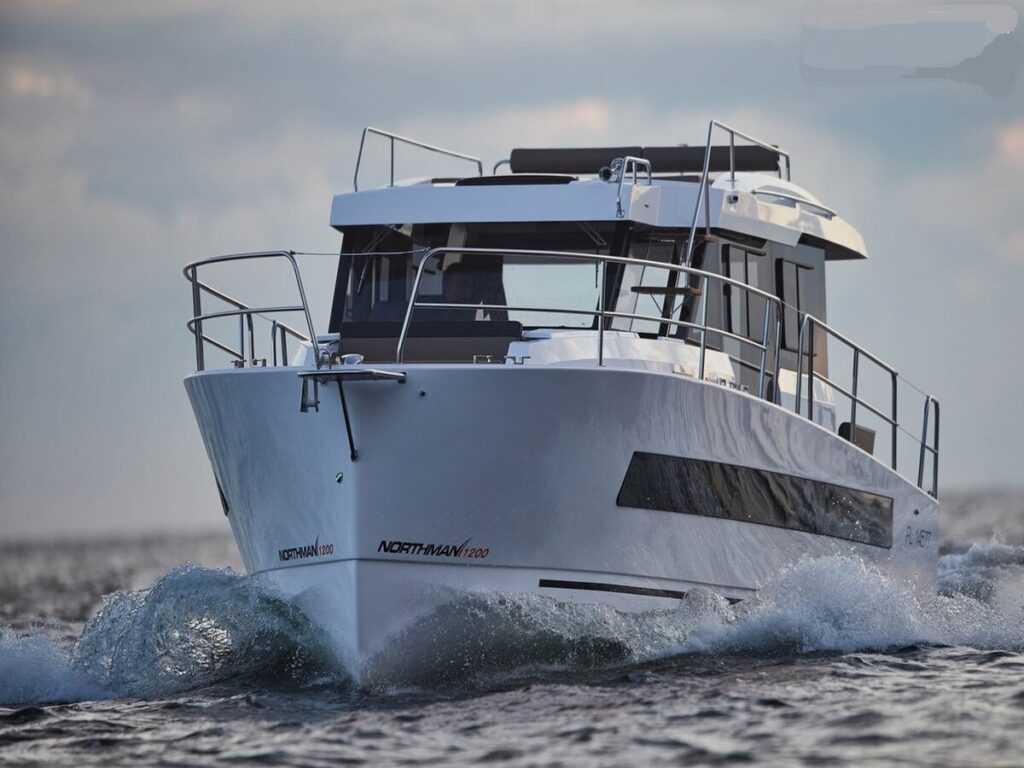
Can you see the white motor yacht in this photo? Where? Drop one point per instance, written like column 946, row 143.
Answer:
column 599, row 375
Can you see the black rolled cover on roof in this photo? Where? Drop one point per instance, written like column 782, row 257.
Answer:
column 663, row 159
column 579, row 160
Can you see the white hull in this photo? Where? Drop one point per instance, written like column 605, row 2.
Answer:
column 521, row 466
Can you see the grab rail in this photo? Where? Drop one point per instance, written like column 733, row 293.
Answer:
column 703, row 191
column 622, row 165
column 806, row 341
column 245, row 313
column 392, row 138
column 772, row 303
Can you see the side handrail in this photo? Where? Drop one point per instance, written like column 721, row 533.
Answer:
column 806, row 341
column 241, row 310
column 772, row 302
column 624, row 164
column 704, row 192
column 392, row 138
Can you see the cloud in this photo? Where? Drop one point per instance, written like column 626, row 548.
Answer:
column 491, row 133
column 1010, row 145
column 198, row 110
column 28, row 82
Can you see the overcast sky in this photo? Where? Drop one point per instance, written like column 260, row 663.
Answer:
column 135, row 137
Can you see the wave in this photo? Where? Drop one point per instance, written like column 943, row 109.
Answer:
column 194, row 628
column 846, row 605
column 197, row 628
column 822, row 605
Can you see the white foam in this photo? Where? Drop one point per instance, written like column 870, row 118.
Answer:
column 34, row 669
column 844, row 604
column 196, row 627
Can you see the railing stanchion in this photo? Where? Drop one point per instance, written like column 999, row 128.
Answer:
column 810, row 369
column 935, row 452
column 776, row 391
column 359, row 157
column 400, row 350
column 732, row 157
column 797, row 398
column 252, row 338
column 707, row 210
column 600, row 309
column 764, row 349
column 853, row 400
column 305, row 306
column 703, row 325
column 895, row 420
column 197, row 311
column 700, row 196
column 924, row 443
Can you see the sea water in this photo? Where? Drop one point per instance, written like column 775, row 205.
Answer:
column 121, row 652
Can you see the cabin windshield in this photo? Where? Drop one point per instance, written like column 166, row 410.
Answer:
column 379, row 264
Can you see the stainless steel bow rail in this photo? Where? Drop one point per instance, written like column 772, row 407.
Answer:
column 279, row 332
column 772, row 303
column 704, row 190
column 811, row 325
column 392, row 138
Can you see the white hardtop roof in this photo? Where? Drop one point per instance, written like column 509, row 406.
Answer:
column 756, row 204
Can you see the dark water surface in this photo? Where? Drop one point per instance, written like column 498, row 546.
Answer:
column 831, row 664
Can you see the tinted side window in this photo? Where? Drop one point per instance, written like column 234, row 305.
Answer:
column 744, row 312
column 791, row 280
column 748, row 495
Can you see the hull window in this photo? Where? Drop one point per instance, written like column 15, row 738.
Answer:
column 712, row 489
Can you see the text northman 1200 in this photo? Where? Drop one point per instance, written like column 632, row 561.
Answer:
column 462, row 550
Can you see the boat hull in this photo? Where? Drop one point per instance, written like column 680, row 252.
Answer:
column 490, row 478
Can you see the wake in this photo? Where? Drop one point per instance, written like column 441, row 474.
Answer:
column 197, row 627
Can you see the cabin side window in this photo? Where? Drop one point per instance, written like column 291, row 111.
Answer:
column 792, row 280
column 743, row 310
